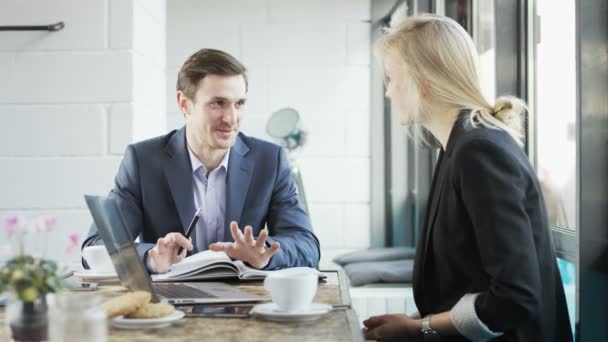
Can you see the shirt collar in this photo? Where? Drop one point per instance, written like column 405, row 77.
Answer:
column 196, row 163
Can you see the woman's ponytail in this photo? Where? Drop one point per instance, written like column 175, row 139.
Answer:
column 510, row 111
column 507, row 114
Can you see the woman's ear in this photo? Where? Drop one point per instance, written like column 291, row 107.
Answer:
column 425, row 89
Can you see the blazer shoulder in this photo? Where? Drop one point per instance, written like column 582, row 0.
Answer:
column 483, row 138
column 489, row 149
column 258, row 145
column 153, row 144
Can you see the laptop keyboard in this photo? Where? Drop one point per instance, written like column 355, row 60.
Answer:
column 171, row 290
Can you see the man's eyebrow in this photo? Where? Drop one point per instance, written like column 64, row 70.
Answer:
column 221, row 98
column 215, row 98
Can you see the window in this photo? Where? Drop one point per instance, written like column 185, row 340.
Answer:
column 567, row 271
column 484, row 35
column 555, row 110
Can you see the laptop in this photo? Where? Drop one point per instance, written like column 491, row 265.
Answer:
column 133, row 274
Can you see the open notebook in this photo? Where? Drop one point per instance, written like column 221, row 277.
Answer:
column 211, row 265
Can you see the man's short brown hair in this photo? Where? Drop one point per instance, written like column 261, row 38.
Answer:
column 207, row 62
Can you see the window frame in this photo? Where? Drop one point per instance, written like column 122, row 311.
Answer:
column 565, row 240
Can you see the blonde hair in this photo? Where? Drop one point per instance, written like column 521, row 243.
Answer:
column 436, row 50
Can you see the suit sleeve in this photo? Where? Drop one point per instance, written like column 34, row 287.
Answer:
column 127, row 195
column 493, row 186
column 289, row 224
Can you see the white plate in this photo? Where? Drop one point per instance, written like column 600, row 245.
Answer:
column 92, row 276
column 270, row 311
column 147, row 323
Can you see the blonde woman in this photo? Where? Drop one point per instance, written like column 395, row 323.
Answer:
column 485, row 266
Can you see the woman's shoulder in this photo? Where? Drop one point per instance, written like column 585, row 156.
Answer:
column 487, row 152
column 472, row 137
column 486, row 144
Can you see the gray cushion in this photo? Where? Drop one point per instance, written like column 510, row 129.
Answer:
column 376, row 254
column 394, row 271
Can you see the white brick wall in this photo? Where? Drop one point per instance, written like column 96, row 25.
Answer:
column 313, row 56
column 23, row 125
column 66, row 77
column 70, row 101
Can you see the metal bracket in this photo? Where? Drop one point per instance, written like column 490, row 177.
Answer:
column 51, row 28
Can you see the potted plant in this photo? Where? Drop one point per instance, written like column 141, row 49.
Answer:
column 27, row 279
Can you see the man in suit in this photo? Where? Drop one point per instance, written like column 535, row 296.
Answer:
column 236, row 181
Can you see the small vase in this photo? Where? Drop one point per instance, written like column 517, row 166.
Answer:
column 27, row 321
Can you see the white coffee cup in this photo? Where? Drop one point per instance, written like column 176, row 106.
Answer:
column 98, row 259
column 292, row 289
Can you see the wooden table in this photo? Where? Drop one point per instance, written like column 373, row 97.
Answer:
column 339, row 325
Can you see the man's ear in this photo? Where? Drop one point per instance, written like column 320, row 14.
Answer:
column 183, row 103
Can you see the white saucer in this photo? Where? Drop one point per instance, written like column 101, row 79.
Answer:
column 271, row 312
column 92, row 276
column 147, row 323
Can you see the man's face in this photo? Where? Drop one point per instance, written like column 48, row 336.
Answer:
column 214, row 115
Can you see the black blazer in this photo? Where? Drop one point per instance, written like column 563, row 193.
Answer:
column 486, row 232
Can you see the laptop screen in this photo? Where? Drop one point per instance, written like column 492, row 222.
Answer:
column 112, row 229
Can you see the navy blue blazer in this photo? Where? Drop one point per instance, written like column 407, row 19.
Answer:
column 153, row 189
column 486, row 232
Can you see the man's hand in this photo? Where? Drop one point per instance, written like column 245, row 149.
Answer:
column 164, row 254
column 246, row 248
column 389, row 326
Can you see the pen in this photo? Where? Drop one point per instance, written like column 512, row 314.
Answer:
column 66, row 275
column 190, row 229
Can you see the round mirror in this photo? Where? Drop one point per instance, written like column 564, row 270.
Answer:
column 282, row 123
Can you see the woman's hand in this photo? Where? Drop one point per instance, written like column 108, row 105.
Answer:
column 388, row 326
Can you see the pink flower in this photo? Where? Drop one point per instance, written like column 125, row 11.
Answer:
column 73, row 243
column 12, row 224
column 10, row 231
column 74, row 238
column 43, row 224
column 50, row 222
